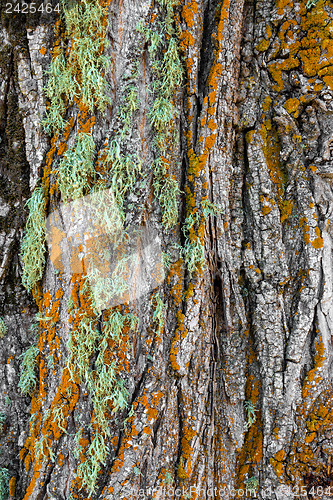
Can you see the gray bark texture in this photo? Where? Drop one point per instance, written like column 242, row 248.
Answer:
column 211, row 125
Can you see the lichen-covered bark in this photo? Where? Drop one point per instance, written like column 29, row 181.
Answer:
column 223, row 110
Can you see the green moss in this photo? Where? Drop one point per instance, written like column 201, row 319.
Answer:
column 105, row 386
column 167, row 192
column 161, row 116
column 60, row 417
column 28, row 378
column 33, row 242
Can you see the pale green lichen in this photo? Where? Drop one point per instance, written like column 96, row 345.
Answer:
column 4, row 483
column 33, row 242
column 159, row 311
column 43, row 450
column 95, row 457
column 105, row 386
column 3, row 328
column 76, row 168
column 252, row 484
column 250, row 411
column 122, row 172
column 310, row 4
column 81, row 74
column 3, row 418
column 28, row 378
column 167, row 192
column 194, row 255
column 168, row 76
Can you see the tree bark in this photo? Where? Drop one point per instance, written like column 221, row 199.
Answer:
column 223, row 112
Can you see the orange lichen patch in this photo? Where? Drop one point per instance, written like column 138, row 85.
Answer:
column 186, row 39
column 43, row 50
column 86, row 126
column 276, row 69
column 329, row 81
column 313, row 375
column 271, row 149
column 180, row 333
column 175, row 276
column 210, row 141
column 249, row 136
column 282, row 4
column 279, row 455
column 251, row 453
column 188, row 13
column 188, row 434
column 62, row 149
column 308, row 44
column 267, row 103
column 286, row 209
column 30, row 488
column 212, row 124
column 266, row 210
column 310, row 437
column 147, row 430
column 292, row 105
column 263, row 45
column 317, row 424
column 223, row 16
column 317, row 242
column 154, row 404
column 278, row 466
column 47, row 299
column 277, row 462
column 12, row 486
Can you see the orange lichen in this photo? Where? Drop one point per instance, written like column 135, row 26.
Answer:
column 188, row 13
column 12, row 486
column 266, row 210
column 292, row 105
column 286, row 208
column 271, row 148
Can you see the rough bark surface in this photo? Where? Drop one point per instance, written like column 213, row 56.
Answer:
column 232, row 381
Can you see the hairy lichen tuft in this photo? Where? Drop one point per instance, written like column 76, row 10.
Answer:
column 33, row 242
